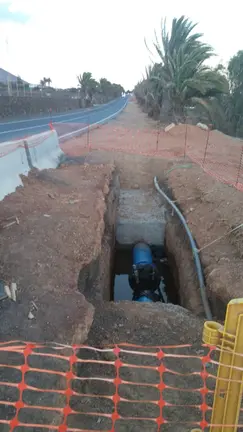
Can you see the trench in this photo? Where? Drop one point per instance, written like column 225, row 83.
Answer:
column 132, row 216
column 141, row 217
column 145, row 216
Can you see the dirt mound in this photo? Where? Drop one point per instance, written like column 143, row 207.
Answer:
column 144, row 324
column 212, row 210
column 61, row 226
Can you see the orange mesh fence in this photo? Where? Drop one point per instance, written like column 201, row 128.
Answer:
column 38, row 139
column 11, row 146
column 117, row 388
column 219, row 155
column 66, row 130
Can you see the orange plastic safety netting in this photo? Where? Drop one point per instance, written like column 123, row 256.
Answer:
column 33, row 141
column 117, row 388
column 219, row 155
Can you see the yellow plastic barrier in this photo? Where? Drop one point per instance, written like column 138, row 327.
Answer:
column 229, row 384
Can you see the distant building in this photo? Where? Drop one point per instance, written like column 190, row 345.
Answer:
column 6, row 77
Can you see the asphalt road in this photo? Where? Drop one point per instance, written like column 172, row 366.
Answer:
column 75, row 120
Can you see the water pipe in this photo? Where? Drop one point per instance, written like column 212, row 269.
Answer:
column 194, row 252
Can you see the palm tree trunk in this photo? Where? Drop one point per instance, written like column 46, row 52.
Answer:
column 166, row 110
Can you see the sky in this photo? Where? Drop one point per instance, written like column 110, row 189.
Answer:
column 61, row 40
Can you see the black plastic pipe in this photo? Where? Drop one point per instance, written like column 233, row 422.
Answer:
column 195, row 253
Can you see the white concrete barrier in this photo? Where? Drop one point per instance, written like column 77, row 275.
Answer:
column 44, row 150
column 13, row 163
column 19, row 157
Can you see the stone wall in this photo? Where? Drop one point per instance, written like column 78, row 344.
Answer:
column 11, row 106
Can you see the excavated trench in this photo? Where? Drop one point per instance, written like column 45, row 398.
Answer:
column 135, row 215
column 143, row 216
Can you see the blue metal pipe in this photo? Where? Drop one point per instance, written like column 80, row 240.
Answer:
column 144, row 278
column 144, row 299
column 142, row 254
column 194, row 252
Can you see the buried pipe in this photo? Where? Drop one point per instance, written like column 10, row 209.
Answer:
column 145, row 280
column 194, row 252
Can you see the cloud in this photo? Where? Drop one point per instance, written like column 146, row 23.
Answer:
column 7, row 13
column 64, row 39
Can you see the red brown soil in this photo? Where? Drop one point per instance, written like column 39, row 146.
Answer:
column 133, row 133
column 61, row 225
column 211, row 207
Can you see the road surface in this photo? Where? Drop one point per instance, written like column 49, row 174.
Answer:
column 63, row 123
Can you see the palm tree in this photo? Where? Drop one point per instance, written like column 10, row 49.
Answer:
column 117, row 90
column 108, row 90
column 149, row 91
column 182, row 77
column 48, row 81
column 232, row 104
column 44, row 81
column 88, row 86
column 105, row 88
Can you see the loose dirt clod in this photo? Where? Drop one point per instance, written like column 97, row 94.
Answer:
column 51, row 196
column 13, row 290
column 169, row 127
column 34, row 305
column 31, row 316
column 7, row 291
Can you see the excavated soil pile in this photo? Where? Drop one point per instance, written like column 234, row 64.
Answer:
column 212, row 210
column 60, row 233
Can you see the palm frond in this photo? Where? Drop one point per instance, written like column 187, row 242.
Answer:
column 181, row 73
